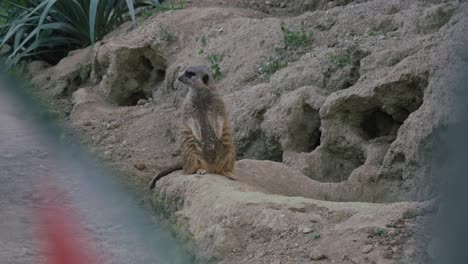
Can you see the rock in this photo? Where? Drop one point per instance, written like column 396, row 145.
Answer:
column 316, row 255
column 388, row 254
column 111, row 139
column 35, row 68
column 113, row 125
column 140, row 166
column 305, row 229
column 83, row 96
column 142, row 102
column 5, row 49
column 355, row 261
column 391, row 232
column 413, row 213
column 367, row 248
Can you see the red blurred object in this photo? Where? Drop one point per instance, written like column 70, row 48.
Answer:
column 59, row 232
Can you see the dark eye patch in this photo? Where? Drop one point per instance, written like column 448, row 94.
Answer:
column 189, row 74
column 205, row 79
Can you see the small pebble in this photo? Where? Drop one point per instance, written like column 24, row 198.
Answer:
column 316, row 255
column 305, row 229
column 140, row 166
column 367, row 248
column 142, row 102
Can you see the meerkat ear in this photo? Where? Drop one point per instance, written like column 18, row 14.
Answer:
column 205, row 79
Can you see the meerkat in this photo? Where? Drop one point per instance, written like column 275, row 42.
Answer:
column 206, row 137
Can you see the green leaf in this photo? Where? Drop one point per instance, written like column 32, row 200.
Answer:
column 45, row 12
column 132, row 12
column 92, row 19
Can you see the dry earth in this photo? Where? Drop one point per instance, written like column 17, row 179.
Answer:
column 348, row 130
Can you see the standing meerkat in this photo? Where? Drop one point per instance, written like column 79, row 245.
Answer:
column 206, row 137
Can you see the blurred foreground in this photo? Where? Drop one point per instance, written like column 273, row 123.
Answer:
column 49, row 190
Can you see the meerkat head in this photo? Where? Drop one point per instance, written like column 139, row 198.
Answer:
column 197, row 77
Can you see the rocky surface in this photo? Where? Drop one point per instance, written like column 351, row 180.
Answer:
column 351, row 113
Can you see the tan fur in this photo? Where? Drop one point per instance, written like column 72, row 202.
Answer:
column 206, row 137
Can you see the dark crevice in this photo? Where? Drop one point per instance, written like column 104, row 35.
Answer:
column 257, row 146
column 314, row 141
column 133, row 98
column 147, row 63
column 379, row 124
column 160, row 75
column 304, row 134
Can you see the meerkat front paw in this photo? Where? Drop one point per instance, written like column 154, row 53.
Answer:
column 201, row 172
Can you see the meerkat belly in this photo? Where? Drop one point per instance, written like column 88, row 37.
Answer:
column 210, row 144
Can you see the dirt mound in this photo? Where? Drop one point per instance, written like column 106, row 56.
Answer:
column 350, row 95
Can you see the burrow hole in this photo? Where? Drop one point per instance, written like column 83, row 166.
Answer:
column 146, row 76
column 377, row 123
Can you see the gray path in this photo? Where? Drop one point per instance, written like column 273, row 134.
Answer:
column 119, row 230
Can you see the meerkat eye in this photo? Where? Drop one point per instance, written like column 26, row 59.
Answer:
column 205, row 79
column 189, row 74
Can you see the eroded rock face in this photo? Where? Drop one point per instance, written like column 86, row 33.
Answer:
column 364, row 97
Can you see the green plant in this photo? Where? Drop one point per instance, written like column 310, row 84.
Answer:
column 295, row 39
column 270, row 65
column 374, row 33
column 49, row 29
column 214, row 64
column 166, row 35
column 378, row 231
column 146, row 13
column 340, row 60
column 166, row 6
column 85, row 71
column 314, row 235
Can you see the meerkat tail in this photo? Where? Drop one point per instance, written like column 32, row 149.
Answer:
column 163, row 173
